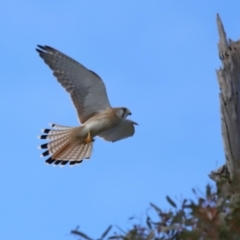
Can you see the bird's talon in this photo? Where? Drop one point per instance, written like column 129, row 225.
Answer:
column 88, row 139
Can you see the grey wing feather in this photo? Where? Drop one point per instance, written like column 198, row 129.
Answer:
column 123, row 130
column 86, row 88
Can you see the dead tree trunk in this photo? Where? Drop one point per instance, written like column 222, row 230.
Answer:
column 229, row 82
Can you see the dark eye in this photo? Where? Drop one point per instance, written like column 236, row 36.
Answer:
column 124, row 111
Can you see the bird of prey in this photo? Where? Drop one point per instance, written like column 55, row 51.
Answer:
column 88, row 92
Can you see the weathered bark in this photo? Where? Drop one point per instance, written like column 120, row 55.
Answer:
column 229, row 83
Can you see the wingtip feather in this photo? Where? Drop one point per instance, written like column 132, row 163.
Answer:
column 78, row 162
column 63, row 163
column 72, row 163
column 46, row 153
column 45, row 130
column 42, row 137
column 52, row 125
column 57, row 162
column 43, row 146
column 50, row 160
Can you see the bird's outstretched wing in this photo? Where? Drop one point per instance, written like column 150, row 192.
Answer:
column 86, row 88
column 123, row 130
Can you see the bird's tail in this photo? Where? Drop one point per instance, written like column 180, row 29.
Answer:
column 61, row 148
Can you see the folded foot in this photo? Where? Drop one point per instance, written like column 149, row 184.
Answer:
column 88, row 139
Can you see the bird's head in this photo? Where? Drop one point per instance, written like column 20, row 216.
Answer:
column 124, row 112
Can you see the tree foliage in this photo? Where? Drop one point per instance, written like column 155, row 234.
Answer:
column 206, row 217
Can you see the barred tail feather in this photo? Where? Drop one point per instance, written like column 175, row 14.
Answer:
column 89, row 152
column 55, row 133
column 80, row 153
column 62, row 148
column 53, row 125
column 55, row 145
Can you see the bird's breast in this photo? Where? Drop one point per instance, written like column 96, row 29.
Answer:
column 101, row 122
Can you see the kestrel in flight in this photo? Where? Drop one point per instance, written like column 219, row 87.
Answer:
column 89, row 96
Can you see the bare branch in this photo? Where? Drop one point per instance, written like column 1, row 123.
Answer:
column 229, row 83
column 222, row 45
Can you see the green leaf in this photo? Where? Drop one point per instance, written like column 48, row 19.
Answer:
column 156, row 208
column 151, row 235
column 167, row 228
column 121, row 230
column 171, row 202
column 80, row 234
column 106, row 232
column 183, row 203
column 194, row 191
column 149, row 222
column 208, row 191
column 116, row 237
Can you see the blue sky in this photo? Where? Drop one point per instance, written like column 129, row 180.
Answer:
column 158, row 58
